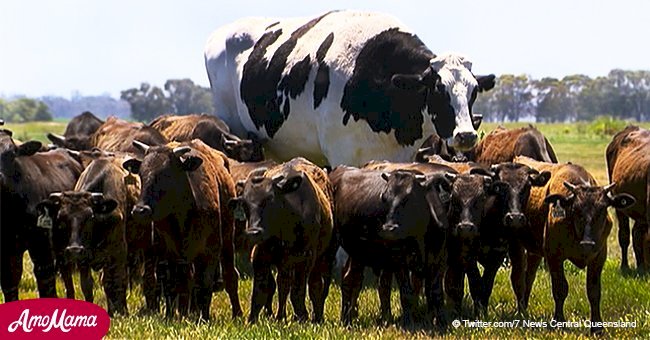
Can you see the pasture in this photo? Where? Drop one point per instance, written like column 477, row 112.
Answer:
column 624, row 298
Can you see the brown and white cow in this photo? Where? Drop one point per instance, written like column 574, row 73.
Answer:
column 289, row 212
column 628, row 159
column 185, row 192
column 212, row 131
column 569, row 221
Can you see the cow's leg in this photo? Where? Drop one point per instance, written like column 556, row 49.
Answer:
column 489, row 274
column 518, row 274
column 114, row 281
column 384, row 289
column 230, row 277
column 86, row 282
column 350, row 289
column 639, row 231
column 183, row 275
column 204, row 276
column 317, row 289
column 168, row 287
column 454, row 286
column 66, row 270
column 476, row 288
column 40, row 250
column 11, row 267
column 560, row 287
column 531, row 272
column 407, row 297
column 299, row 289
column 149, row 286
column 623, row 238
column 285, row 278
column 594, row 271
column 262, row 278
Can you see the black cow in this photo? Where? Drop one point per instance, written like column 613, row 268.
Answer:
column 78, row 132
column 26, row 178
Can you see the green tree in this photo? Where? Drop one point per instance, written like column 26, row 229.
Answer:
column 25, row 110
column 147, row 102
column 188, row 98
column 553, row 101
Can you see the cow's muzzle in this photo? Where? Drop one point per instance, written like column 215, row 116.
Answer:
column 390, row 231
column 141, row 211
column 74, row 252
column 466, row 230
column 464, row 141
column 587, row 245
column 514, row 220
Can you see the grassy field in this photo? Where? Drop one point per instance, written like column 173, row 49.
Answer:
column 624, row 298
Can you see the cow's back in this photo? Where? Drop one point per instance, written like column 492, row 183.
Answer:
column 628, row 161
column 118, row 135
column 503, row 145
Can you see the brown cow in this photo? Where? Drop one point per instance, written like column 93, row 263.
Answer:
column 628, row 160
column 212, row 131
column 118, row 135
column 78, row 132
column 289, row 211
column 185, row 191
column 569, row 221
column 502, row 145
column 26, row 178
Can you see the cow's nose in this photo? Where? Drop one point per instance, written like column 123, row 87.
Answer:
column 514, row 219
column 389, row 227
column 467, row 229
column 587, row 245
column 465, row 140
column 74, row 249
column 255, row 234
column 141, row 211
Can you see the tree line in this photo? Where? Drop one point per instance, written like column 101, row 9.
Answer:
column 623, row 95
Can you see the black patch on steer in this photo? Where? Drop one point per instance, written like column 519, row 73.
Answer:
column 370, row 94
column 262, row 79
column 322, row 81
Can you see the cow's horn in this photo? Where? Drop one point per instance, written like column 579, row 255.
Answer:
column 609, row 187
column 181, row 150
column 141, row 146
column 96, row 195
column 420, row 177
column 56, row 195
column 569, row 186
column 426, row 149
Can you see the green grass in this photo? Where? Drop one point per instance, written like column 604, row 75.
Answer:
column 623, row 297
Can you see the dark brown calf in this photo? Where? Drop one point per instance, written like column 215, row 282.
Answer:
column 289, row 212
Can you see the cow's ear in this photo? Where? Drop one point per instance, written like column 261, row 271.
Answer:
column 408, row 82
column 57, row 140
column 289, row 184
column 132, row 165
column 239, row 187
column 29, row 148
column 621, row 201
column 439, row 182
column 191, row 163
column 47, row 207
column 104, row 206
column 485, row 83
column 540, row 179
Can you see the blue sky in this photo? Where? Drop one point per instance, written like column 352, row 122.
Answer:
column 60, row 46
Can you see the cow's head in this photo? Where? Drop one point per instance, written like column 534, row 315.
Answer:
column 9, row 152
column 409, row 195
column 512, row 183
column 243, row 150
column 469, row 195
column 73, row 142
column 451, row 91
column 81, row 221
column 163, row 174
column 585, row 207
column 274, row 205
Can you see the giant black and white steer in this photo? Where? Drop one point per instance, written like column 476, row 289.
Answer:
column 345, row 87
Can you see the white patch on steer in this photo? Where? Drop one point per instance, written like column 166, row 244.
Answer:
column 455, row 73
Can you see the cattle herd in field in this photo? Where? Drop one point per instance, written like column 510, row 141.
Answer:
column 412, row 194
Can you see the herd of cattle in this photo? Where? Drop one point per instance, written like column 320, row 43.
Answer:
column 174, row 200
column 176, row 210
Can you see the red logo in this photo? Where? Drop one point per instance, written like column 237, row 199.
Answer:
column 52, row 319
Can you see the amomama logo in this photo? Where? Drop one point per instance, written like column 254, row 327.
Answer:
column 52, row 319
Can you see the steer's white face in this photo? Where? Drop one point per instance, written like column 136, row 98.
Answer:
column 455, row 73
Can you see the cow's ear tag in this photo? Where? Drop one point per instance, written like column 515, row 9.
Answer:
column 44, row 220
column 557, row 211
column 239, row 213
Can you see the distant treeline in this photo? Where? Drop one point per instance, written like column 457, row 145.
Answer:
column 21, row 109
column 622, row 95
